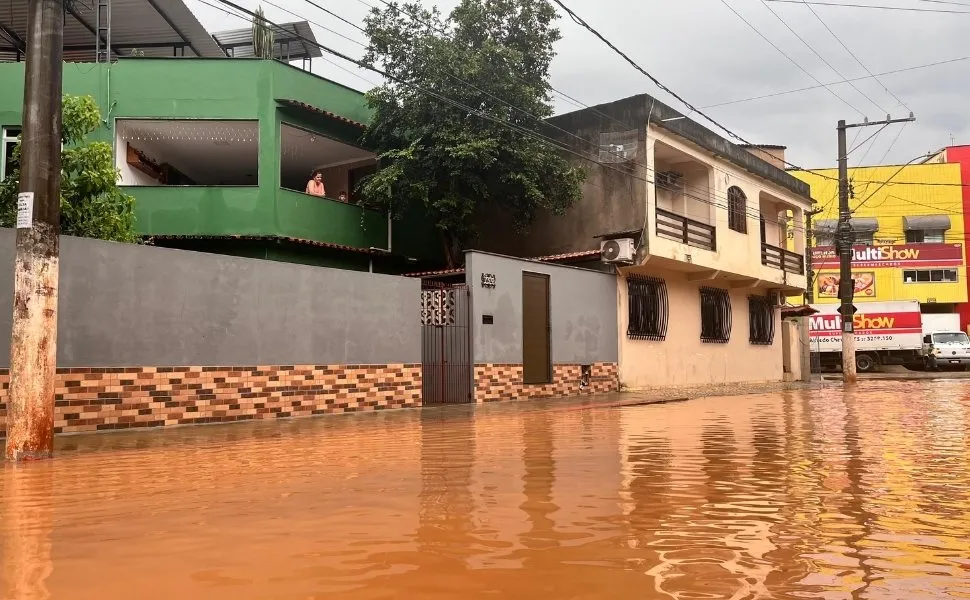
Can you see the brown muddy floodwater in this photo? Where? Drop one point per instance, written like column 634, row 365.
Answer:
column 809, row 494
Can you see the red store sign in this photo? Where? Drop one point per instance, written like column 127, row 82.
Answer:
column 902, row 255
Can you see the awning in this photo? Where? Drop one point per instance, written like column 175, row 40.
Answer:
column 319, row 112
column 926, row 223
column 159, row 28
column 859, row 225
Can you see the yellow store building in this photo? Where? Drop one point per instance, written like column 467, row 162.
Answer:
column 910, row 237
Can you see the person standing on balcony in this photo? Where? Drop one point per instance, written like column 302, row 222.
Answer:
column 343, row 197
column 315, row 186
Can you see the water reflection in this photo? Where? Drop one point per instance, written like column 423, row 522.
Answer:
column 815, row 494
column 27, row 527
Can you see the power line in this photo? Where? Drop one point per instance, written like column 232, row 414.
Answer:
column 790, row 59
column 516, row 128
column 862, row 143
column 815, row 87
column 540, row 120
column 821, row 58
column 853, row 55
column 893, row 143
column 873, row 6
column 511, row 126
column 579, row 21
column 711, row 194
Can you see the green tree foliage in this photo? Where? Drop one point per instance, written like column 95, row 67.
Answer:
column 464, row 162
column 263, row 36
column 92, row 205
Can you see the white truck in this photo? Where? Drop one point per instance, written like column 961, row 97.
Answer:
column 946, row 349
column 887, row 333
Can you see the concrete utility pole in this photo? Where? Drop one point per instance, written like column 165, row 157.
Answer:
column 844, row 241
column 33, row 342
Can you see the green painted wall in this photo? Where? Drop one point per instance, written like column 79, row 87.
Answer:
column 232, row 89
column 195, row 210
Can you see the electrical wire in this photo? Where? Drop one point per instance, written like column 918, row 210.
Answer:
column 862, row 143
column 684, row 190
column 519, row 129
column 544, row 122
column 579, row 21
column 815, row 87
column 873, row 6
column 481, row 114
column 790, row 59
column 853, row 55
column 822, row 58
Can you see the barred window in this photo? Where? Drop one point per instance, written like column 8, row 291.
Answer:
column 761, row 320
column 737, row 209
column 647, row 299
column 715, row 316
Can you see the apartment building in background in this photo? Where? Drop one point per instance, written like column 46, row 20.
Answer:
column 706, row 239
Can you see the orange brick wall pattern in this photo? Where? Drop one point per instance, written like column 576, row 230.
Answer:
column 96, row 399
column 494, row 382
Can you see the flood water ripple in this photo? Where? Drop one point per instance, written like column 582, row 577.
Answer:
column 822, row 493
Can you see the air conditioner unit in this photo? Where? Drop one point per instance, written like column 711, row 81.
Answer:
column 669, row 179
column 617, row 251
column 776, row 298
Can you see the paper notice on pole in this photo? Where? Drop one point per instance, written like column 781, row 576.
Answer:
column 25, row 210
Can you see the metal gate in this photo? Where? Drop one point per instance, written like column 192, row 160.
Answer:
column 446, row 353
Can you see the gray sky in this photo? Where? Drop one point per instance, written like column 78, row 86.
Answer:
column 708, row 55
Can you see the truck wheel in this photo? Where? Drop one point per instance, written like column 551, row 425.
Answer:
column 865, row 363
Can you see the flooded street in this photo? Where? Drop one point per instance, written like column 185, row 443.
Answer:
column 807, row 494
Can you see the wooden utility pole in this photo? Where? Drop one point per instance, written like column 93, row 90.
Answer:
column 845, row 238
column 33, row 342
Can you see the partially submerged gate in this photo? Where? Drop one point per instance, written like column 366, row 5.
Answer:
column 446, row 353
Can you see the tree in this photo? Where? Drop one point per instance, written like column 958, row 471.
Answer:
column 263, row 36
column 92, row 205
column 456, row 124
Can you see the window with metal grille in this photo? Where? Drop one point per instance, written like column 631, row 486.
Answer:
column 647, row 299
column 737, row 209
column 761, row 320
column 715, row 316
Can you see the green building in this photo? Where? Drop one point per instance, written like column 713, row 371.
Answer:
column 217, row 153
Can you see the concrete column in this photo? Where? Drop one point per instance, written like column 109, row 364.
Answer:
column 805, row 349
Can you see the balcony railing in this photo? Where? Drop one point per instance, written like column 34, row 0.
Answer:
column 687, row 231
column 779, row 258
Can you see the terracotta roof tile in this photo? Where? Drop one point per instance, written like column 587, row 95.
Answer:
column 305, row 242
column 320, row 111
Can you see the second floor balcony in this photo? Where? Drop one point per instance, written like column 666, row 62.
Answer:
column 222, row 179
column 712, row 222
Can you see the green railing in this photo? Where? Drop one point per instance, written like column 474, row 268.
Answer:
column 324, row 220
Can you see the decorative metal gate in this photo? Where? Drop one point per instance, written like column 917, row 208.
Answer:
column 446, row 353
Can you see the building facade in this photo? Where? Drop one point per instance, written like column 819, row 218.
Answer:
column 717, row 233
column 218, row 152
column 910, row 235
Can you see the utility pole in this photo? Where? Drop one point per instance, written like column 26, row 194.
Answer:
column 809, row 244
column 845, row 238
column 33, row 342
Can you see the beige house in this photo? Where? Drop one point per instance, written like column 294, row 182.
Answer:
column 706, row 238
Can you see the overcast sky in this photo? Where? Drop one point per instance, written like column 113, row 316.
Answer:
column 707, row 54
